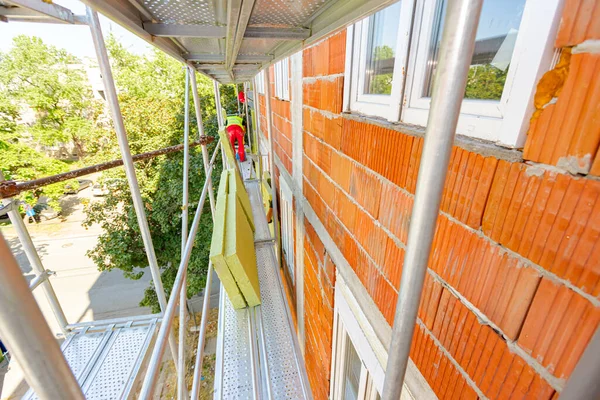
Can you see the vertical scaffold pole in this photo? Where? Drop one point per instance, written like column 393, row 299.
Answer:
column 200, row 123
column 26, row 334
column 248, row 122
column 36, row 263
column 258, row 129
column 272, row 160
column 206, row 301
column 182, row 393
column 456, row 50
column 220, row 118
column 138, row 203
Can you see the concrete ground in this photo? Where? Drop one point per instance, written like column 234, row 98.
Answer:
column 85, row 293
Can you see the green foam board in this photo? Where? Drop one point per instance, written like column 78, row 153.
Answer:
column 239, row 251
column 217, row 247
column 237, row 186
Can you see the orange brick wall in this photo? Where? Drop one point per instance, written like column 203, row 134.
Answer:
column 319, row 280
column 566, row 132
column 512, row 292
column 282, row 123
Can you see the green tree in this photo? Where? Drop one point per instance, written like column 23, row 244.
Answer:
column 485, row 82
column 53, row 84
column 20, row 162
column 151, row 96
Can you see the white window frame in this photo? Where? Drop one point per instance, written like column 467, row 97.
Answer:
column 260, row 82
column 385, row 106
column 282, row 79
column 352, row 326
column 287, row 225
column 505, row 121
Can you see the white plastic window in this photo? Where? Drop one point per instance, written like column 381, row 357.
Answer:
column 376, row 83
column 260, row 82
column 287, row 226
column 514, row 47
column 282, row 79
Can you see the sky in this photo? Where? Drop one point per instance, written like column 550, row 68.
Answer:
column 76, row 39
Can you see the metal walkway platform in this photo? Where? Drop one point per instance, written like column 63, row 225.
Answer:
column 106, row 359
column 258, row 356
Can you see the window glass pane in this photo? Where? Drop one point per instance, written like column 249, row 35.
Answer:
column 494, row 45
column 381, row 50
column 352, row 372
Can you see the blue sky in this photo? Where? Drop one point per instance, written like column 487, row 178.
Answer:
column 76, row 39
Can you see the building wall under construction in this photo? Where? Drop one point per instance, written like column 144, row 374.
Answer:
column 512, row 291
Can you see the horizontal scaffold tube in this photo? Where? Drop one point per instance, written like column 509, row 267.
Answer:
column 161, row 341
column 11, row 188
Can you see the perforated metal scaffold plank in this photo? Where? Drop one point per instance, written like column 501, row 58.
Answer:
column 106, row 362
column 257, row 351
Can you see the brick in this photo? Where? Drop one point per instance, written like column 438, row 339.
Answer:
column 465, row 177
column 441, row 313
column 546, row 221
column 490, row 371
column 578, row 341
column 540, row 308
column 394, row 260
column 501, row 374
column 481, row 194
column 460, row 326
column 540, row 389
column 496, row 191
column 521, row 298
column 561, row 223
column 512, row 377
column 486, row 357
column 476, row 354
column 576, row 271
column 574, row 231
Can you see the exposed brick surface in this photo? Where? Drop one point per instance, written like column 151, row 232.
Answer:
column 497, row 219
column 580, row 21
column 567, row 133
column 318, row 308
column 558, row 327
column 550, row 218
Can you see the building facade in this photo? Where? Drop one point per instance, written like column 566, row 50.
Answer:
column 512, row 291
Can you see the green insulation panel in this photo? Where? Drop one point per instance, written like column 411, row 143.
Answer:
column 217, row 247
column 239, row 251
column 237, row 186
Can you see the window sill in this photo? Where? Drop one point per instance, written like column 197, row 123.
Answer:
column 479, row 146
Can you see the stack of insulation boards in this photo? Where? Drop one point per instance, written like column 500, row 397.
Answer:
column 232, row 248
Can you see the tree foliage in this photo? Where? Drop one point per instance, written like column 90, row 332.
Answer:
column 53, row 84
column 151, row 96
column 485, row 82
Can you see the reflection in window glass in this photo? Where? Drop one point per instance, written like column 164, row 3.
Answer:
column 352, row 373
column 381, row 50
column 494, row 45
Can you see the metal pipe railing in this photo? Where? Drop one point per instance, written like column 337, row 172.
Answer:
column 36, row 262
column 206, row 301
column 258, row 130
column 248, row 122
column 10, row 188
column 165, row 328
column 38, row 280
column 29, row 339
column 456, row 50
column 220, row 118
column 202, row 335
column 138, row 203
column 200, row 123
column 182, row 393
